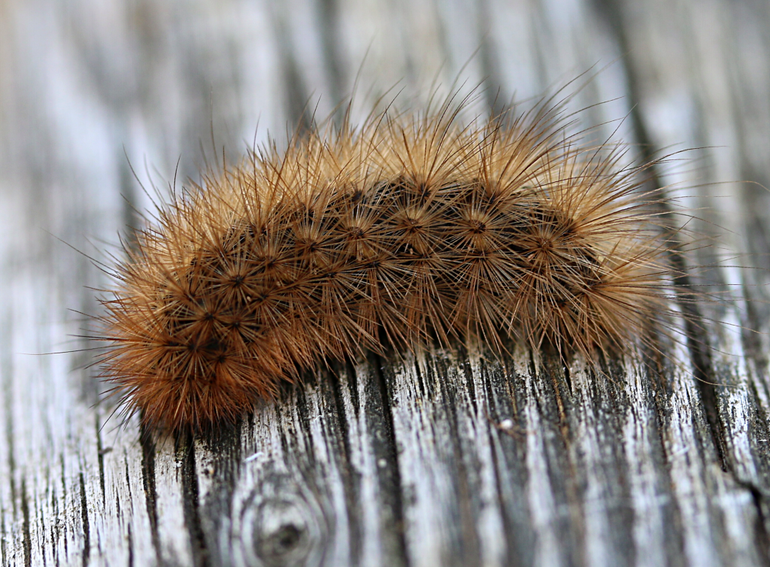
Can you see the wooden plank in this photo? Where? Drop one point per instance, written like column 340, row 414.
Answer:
column 453, row 458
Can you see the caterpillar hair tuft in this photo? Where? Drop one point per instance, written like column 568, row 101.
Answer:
column 407, row 231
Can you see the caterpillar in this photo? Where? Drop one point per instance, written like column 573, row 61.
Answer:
column 410, row 230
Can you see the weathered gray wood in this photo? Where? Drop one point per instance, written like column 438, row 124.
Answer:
column 450, row 459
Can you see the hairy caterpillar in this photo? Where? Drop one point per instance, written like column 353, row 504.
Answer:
column 407, row 230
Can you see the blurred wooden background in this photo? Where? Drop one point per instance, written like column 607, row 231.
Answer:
column 449, row 460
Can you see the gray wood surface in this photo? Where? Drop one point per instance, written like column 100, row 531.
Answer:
column 451, row 459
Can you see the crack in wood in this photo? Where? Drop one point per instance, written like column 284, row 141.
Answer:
column 150, row 494
column 185, row 455
column 86, row 526
column 389, row 475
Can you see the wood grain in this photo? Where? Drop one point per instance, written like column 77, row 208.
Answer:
column 455, row 458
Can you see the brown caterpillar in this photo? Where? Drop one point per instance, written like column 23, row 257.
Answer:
column 406, row 231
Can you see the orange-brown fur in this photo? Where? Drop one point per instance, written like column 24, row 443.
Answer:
column 405, row 231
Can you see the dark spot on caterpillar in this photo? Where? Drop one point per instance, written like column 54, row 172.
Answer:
column 477, row 227
column 356, row 233
column 545, row 245
column 411, row 225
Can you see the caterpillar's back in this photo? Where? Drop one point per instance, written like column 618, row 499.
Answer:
column 405, row 231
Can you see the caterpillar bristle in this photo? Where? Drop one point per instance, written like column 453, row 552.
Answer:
column 405, row 232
